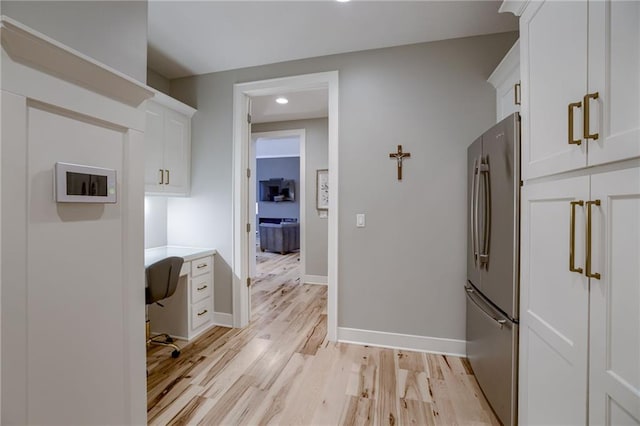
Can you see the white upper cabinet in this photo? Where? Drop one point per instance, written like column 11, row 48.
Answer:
column 167, row 146
column 506, row 80
column 580, row 84
column 553, row 43
column 614, row 73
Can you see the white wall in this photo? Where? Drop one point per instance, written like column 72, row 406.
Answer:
column 404, row 272
column 158, row 81
column 113, row 32
column 155, row 222
column 316, row 157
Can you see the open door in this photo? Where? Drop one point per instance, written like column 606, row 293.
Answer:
column 251, row 208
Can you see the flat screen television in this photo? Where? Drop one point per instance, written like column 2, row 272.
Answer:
column 277, row 190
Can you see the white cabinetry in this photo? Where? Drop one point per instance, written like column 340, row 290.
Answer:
column 580, row 235
column 167, row 146
column 189, row 311
column 506, row 80
column 580, row 84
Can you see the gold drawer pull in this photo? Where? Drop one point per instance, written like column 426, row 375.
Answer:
column 161, row 177
column 202, row 265
column 588, row 273
column 168, row 176
column 203, row 312
column 586, row 121
column 572, row 106
column 202, row 288
column 572, row 238
column 516, row 91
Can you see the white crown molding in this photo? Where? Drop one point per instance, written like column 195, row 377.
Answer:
column 510, row 62
column 410, row 342
column 516, row 7
column 172, row 103
column 36, row 50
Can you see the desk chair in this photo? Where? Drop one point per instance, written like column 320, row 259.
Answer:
column 162, row 280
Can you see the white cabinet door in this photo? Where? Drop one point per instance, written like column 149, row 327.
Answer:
column 153, row 148
column 554, row 305
column 614, row 389
column 507, row 94
column 176, row 152
column 614, row 72
column 553, row 43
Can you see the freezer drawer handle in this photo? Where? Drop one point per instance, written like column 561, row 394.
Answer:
column 500, row 322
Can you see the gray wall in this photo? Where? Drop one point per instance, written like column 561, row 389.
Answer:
column 155, row 221
column 158, row 81
column 112, row 32
column 287, row 168
column 404, row 272
column 316, row 153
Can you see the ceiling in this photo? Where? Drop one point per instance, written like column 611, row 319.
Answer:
column 302, row 105
column 199, row 37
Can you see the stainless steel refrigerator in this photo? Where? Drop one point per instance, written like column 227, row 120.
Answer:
column 492, row 287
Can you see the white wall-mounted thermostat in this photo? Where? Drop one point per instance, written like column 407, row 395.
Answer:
column 74, row 183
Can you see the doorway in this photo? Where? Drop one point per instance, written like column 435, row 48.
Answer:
column 277, row 193
column 243, row 93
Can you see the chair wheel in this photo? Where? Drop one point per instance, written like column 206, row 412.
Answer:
column 175, row 353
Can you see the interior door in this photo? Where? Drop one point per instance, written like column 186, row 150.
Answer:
column 614, row 73
column 554, row 305
column 251, row 208
column 474, row 154
column 499, row 240
column 614, row 389
column 553, row 42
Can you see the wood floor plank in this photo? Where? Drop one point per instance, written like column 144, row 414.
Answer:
column 281, row 370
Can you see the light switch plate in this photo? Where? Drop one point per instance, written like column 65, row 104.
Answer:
column 360, row 220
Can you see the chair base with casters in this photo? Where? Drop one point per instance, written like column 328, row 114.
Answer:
column 161, row 282
column 162, row 340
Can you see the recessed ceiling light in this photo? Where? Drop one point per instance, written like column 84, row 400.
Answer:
column 282, row 100
column 342, row 1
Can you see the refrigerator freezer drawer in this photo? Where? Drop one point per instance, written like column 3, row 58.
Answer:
column 492, row 352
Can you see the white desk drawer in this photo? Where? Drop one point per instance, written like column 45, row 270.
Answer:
column 201, row 313
column 201, row 266
column 201, row 287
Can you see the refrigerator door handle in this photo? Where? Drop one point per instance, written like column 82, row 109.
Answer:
column 472, row 225
column 476, row 210
column 486, row 232
column 499, row 322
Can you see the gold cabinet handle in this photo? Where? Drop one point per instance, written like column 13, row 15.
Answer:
column 202, row 288
column 587, row 266
column 161, row 177
column 586, row 122
column 202, row 313
column 572, row 106
column 572, row 237
column 517, row 96
column 202, row 265
column 167, row 182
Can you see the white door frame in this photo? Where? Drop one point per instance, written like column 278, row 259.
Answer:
column 301, row 135
column 241, row 95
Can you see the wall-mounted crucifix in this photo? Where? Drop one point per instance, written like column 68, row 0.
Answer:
column 399, row 156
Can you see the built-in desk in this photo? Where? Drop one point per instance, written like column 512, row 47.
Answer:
column 189, row 312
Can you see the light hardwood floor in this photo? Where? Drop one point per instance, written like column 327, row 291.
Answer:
column 281, row 370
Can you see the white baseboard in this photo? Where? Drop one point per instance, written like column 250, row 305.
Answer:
column 314, row 279
column 223, row 319
column 403, row 341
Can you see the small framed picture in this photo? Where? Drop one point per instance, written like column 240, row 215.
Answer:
column 322, row 189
